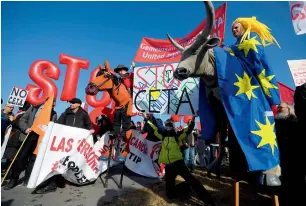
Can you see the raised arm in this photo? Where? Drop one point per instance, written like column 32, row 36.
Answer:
column 187, row 130
column 151, row 127
column 154, row 130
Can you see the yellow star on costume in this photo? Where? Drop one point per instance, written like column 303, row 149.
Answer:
column 155, row 94
column 245, row 86
column 248, row 44
column 265, row 82
column 267, row 134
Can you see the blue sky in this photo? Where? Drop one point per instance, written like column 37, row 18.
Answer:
column 113, row 30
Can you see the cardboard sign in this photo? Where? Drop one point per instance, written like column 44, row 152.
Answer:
column 298, row 71
column 157, row 91
column 17, row 97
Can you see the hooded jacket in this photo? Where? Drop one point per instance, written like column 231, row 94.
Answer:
column 79, row 119
column 170, row 150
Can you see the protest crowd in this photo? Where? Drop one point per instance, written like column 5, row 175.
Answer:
column 182, row 148
column 192, row 151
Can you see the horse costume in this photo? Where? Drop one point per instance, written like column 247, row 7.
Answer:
column 106, row 81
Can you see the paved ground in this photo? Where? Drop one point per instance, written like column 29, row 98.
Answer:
column 90, row 195
column 136, row 191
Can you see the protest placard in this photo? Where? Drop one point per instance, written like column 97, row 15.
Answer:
column 157, row 91
column 298, row 71
column 17, row 96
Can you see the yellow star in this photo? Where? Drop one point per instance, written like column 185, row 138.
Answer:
column 267, row 134
column 245, row 86
column 265, row 82
column 155, row 94
column 246, row 45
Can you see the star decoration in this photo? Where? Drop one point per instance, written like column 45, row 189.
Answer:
column 267, row 134
column 245, row 86
column 265, row 82
column 248, row 44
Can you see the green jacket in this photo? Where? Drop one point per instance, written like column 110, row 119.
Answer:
column 170, row 150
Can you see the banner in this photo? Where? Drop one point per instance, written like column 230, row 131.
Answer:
column 162, row 51
column 17, row 97
column 143, row 156
column 70, row 151
column 286, row 93
column 157, row 91
column 60, row 142
column 298, row 71
column 298, row 16
column 6, row 138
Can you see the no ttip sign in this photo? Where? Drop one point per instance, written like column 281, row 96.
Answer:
column 297, row 11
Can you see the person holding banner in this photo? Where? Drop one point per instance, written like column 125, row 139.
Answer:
column 122, row 120
column 76, row 116
column 28, row 125
column 126, row 77
column 172, row 157
column 104, row 124
column 14, row 141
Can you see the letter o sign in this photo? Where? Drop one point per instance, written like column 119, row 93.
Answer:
column 71, row 165
column 23, row 93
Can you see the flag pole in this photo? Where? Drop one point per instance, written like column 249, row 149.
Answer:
column 7, row 171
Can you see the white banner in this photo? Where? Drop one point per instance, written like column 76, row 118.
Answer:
column 157, row 91
column 298, row 16
column 6, row 138
column 17, row 97
column 298, row 71
column 143, row 156
column 70, row 151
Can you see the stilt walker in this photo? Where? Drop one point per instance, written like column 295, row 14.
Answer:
column 120, row 90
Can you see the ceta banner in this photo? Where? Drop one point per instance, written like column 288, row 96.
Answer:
column 298, row 16
column 162, row 51
column 70, row 152
column 156, row 91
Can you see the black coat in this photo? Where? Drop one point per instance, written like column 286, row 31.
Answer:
column 80, row 119
column 286, row 130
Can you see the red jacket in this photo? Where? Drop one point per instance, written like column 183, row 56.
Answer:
column 128, row 81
